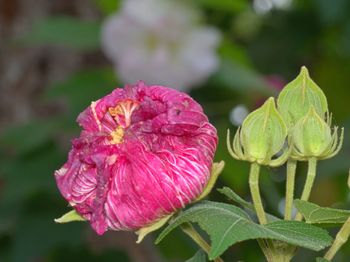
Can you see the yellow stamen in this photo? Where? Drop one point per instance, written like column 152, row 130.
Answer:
column 122, row 114
column 117, row 135
column 124, row 109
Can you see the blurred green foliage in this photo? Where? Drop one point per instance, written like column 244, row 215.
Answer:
column 64, row 31
column 108, row 6
column 314, row 33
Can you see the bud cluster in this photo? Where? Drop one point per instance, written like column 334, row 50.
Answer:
column 300, row 126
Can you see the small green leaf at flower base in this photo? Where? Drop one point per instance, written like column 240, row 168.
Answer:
column 298, row 96
column 227, row 224
column 216, row 170
column 149, row 229
column 69, row 217
column 200, row 256
column 315, row 214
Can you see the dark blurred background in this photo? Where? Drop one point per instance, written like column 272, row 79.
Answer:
column 54, row 61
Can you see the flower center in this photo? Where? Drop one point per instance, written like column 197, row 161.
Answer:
column 117, row 135
column 122, row 114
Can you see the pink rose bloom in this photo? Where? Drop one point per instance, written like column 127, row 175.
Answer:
column 143, row 153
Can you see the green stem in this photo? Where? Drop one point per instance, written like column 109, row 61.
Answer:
column 268, row 246
column 340, row 239
column 311, row 174
column 188, row 229
column 283, row 252
column 291, row 168
column 275, row 251
column 263, row 248
column 254, row 190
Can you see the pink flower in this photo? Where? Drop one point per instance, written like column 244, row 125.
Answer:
column 144, row 152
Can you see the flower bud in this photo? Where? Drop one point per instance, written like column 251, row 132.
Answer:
column 143, row 153
column 298, row 96
column 312, row 137
column 262, row 135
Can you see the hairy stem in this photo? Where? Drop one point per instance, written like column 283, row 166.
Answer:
column 291, row 168
column 188, row 229
column 255, row 192
column 266, row 249
column 340, row 239
column 311, row 174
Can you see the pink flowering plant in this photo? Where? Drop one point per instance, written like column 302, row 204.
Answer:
column 144, row 160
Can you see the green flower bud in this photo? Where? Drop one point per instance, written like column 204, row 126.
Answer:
column 298, row 96
column 312, row 137
column 262, row 135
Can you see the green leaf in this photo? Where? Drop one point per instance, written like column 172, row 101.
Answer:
column 230, row 194
column 315, row 214
column 300, row 234
column 200, row 256
column 236, row 198
column 144, row 231
column 69, row 217
column 228, row 224
column 64, row 31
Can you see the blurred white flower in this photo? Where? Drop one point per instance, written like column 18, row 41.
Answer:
column 160, row 42
column 264, row 6
column 238, row 114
